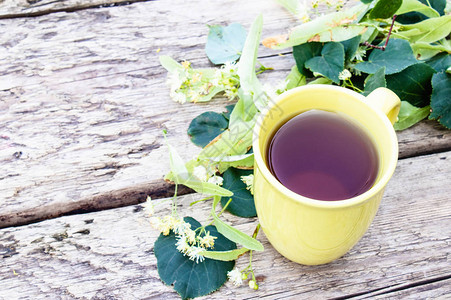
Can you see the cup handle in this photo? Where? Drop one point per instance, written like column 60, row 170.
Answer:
column 386, row 101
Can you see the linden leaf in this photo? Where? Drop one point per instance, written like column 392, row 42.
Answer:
column 337, row 26
column 440, row 62
column 385, row 9
column 351, row 47
column 242, row 203
column 397, row 56
column 414, row 11
column 224, row 44
column 440, row 99
column 375, row 81
column 330, row 63
column 409, row 115
column 191, row 279
column 431, row 30
column 205, row 127
column 412, row 84
column 303, row 53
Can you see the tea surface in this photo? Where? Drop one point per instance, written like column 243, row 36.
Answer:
column 323, row 156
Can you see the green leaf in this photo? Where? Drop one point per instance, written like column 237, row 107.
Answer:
column 337, row 27
column 412, row 84
column 321, row 80
column 237, row 236
column 397, row 56
column 440, row 62
column 350, row 47
column 413, row 11
column 206, row 127
column 422, row 7
column 295, row 7
column 229, row 109
column 432, row 29
column 180, row 175
column 224, row 44
column 409, row 115
column 170, row 64
column 330, row 63
column 191, row 279
column 303, row 53
column 225, row 255
column 375, row 81
column 245, row 161
column 440, row 99
column 385, row 9
column 294, row 79
column 242, row 204
column 246, row 67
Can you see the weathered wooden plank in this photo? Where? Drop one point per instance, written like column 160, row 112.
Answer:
column 27, row 8
column 109, row 253
column 439, row 289
column 84, row 102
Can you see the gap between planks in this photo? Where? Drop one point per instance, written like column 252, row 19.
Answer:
column 93, row 4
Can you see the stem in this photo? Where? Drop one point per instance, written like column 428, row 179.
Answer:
column 203, row 199
column 386, row 41
column 225, row 206
column 174, row 201
column 348, row 83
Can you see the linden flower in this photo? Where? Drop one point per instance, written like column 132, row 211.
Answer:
column 235, row 277
column 190, row 235
column 178, row 97
column 253, row 285
column 216, row 180
column 181, row 228
column 344, row 75
column 161, row 225
column 360, row 54
column 249, row 181
column 194, row 254
column 200, row 172
column 182, row 245
column 207, row 241
column 149, row 209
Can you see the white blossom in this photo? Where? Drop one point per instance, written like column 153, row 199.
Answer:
column 200, row 172
column 344, row 75
column 235, row 277
column 215, row 180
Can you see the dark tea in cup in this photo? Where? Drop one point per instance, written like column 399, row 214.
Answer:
column 322, row 155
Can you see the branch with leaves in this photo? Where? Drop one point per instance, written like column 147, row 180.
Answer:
column 362, row 48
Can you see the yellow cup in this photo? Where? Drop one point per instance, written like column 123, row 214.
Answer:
column 310, row 231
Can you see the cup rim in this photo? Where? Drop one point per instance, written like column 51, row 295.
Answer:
column 336, row 204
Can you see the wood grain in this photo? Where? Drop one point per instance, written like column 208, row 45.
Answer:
column 83, row 102
column 109, row 254
column 31, row 8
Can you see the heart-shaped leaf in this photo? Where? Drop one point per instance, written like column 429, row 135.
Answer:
column 412, row 84
column 351, row 47
column 397, row 56
column 205, row 127
column 224, row 44
column 440, row 99
column 242, row 203
column 374, row 81
column 191, row 279
column 385, row 9
column 410, row 115
column 330, row 63
column 303, row 53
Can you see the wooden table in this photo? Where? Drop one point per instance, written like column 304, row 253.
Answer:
column 83, row 102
